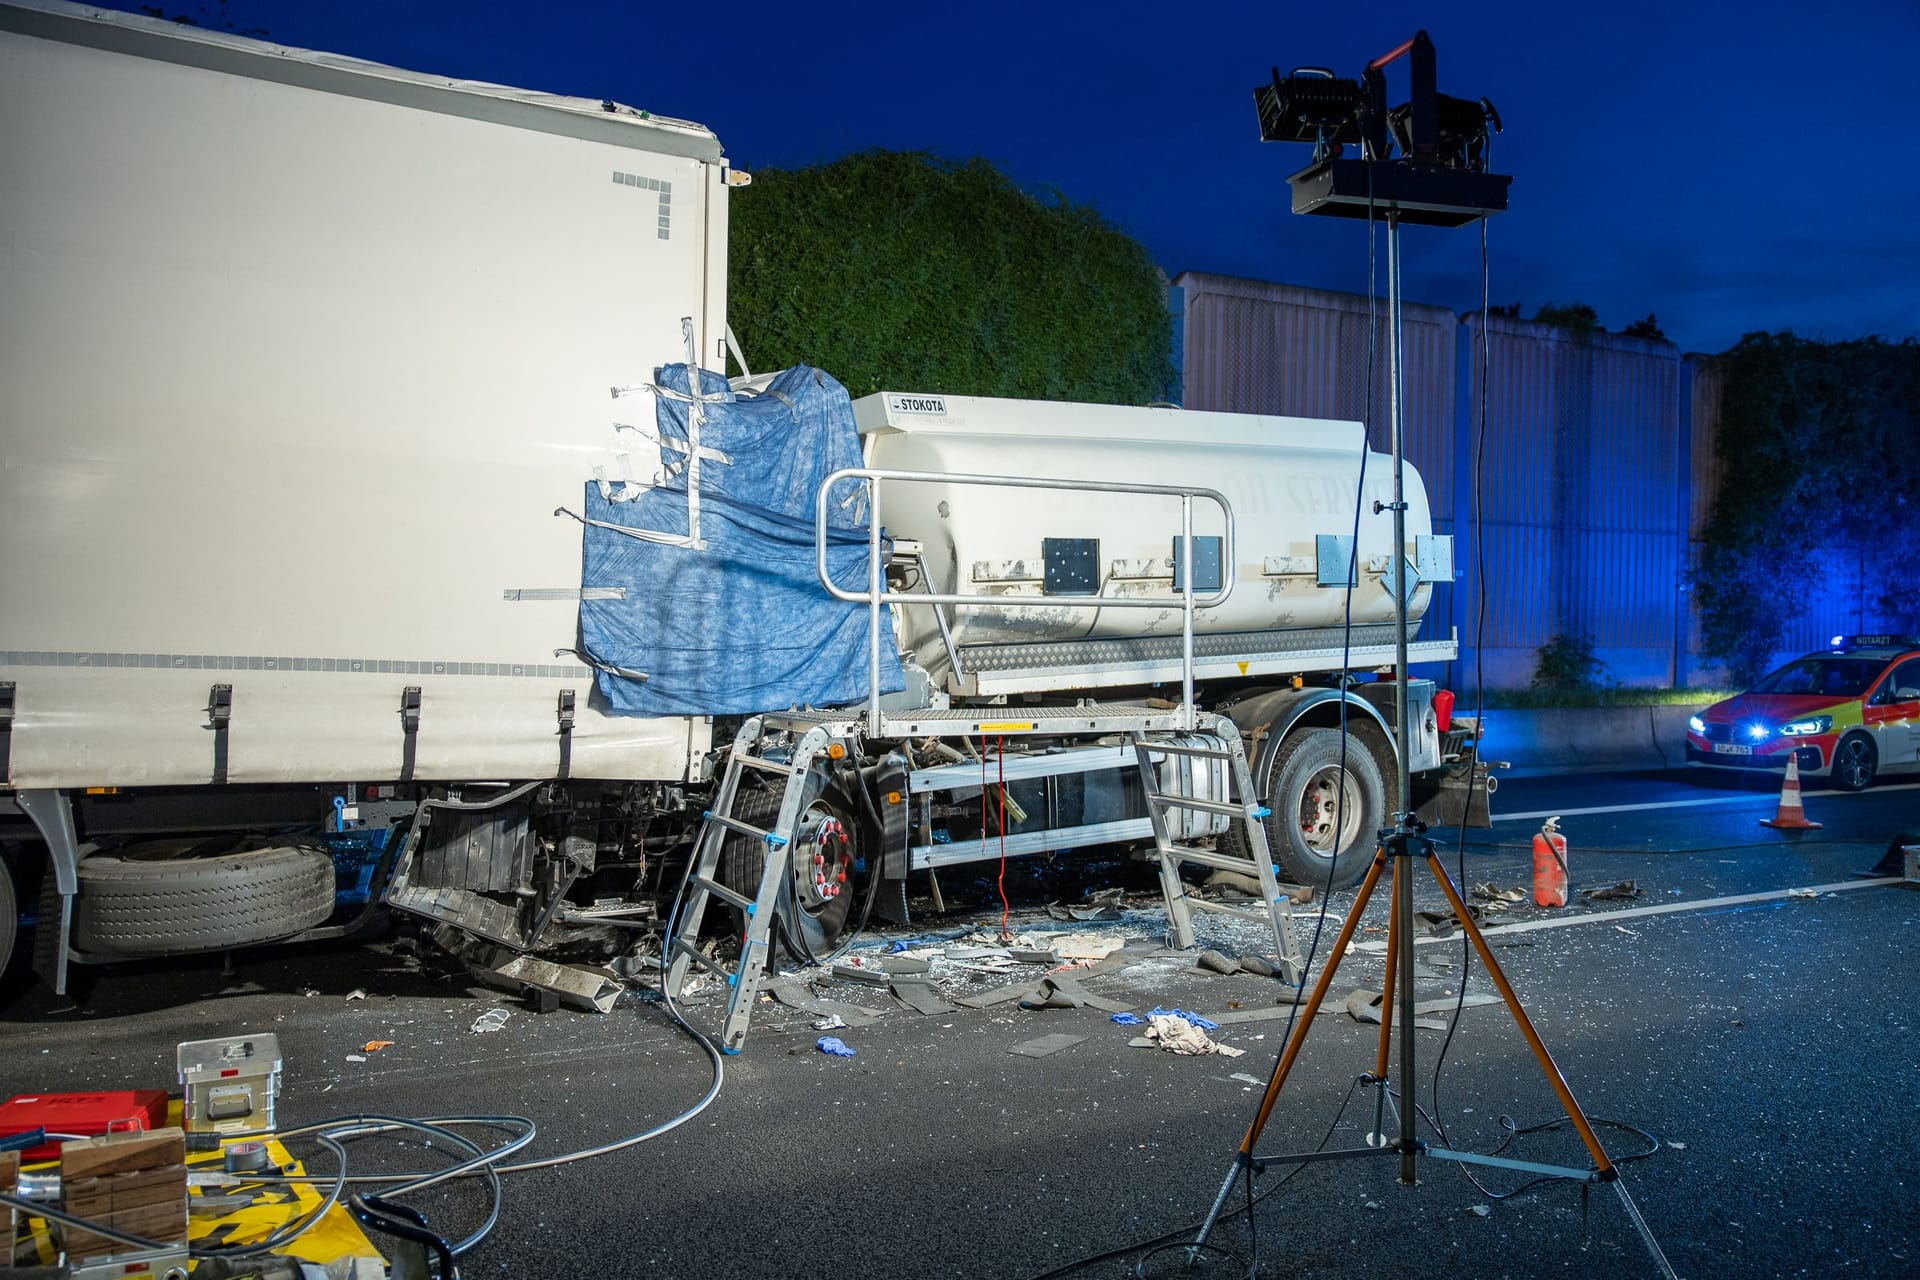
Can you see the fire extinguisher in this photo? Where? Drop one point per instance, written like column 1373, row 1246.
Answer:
column 1550, row 865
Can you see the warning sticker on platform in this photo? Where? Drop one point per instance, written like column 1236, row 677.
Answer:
column 897, row 403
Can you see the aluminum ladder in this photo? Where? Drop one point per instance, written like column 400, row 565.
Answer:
column 1246, row 811
column 702, row 886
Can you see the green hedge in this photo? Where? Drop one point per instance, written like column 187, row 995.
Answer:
column 904, row 272
column 1819, row 450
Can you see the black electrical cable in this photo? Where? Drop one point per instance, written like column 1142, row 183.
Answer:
column 1479, row 679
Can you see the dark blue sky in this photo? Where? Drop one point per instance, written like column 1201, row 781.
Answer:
column 1731, row 167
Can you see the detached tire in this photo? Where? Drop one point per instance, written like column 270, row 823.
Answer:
column 1308, row 795
column 175, row 906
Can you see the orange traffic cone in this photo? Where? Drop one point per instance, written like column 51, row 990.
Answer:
column 1790, row 816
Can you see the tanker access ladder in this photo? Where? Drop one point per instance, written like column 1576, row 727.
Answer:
column 1189, row 763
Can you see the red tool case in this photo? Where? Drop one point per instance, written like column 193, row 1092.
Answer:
column 87, row 1114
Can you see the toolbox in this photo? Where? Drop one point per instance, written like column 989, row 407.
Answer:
column 86, row 1114
column 230, row 1083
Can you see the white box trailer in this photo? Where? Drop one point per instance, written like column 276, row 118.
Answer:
column 301, row 357
column 299, row 354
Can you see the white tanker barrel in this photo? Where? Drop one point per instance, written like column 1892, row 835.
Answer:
column 1288, row 480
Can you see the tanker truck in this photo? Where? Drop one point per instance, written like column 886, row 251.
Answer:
column 337, row 586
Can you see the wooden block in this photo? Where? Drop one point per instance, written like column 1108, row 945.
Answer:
column 164, row 1224
column 9, row 1170
column 90, row 1196
column 122, row 1152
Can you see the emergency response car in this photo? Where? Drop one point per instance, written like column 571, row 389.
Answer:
column 1849, row 713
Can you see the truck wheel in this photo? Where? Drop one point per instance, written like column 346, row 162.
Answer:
column 134, row 906
column 817, row 900
column 1309, row 794
column 1854, row 762
column 9, row 932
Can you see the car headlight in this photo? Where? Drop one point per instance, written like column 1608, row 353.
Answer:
column 1696, row 724
column 1810, row 725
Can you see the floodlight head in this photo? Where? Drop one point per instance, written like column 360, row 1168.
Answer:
column 1312, row 105
column 1462, row 129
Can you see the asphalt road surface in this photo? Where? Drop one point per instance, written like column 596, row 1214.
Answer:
column 1746, row 1049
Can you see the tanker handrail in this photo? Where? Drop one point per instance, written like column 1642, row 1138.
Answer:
column 1187, row 600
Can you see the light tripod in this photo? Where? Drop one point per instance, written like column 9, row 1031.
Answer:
column 1439, row 179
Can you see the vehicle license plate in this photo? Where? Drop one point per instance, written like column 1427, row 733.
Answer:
column 1731, row 749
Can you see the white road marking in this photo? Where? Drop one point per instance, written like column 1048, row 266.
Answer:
column 1663, row 909
column 1821, row 796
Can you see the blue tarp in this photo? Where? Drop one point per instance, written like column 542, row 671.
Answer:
column 743, row 625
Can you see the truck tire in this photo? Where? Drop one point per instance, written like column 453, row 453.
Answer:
column 9, row 932
column 130, row 906
column 1302, row 785
column 805, row 926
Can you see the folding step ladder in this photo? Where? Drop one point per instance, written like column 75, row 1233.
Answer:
column 702, row 886
column 1244, row 810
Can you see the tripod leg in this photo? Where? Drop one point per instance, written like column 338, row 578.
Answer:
column 1394, row 943
column 1547, row 1065
column 1312, row 1008
column 1295, row 1041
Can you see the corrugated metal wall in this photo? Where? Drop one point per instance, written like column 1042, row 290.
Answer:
column 1588, row 470
column 1584, row 497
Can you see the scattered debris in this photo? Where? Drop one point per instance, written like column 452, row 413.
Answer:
column 1496, row 898
column 1802, row 893
column 833, row 1022
column 1258, row 966
column 1107, row 911
column 1625, row 891
column 833, row 1045
column 492, row 1020
column 375, row 1046
column 1678, row 1146
column 1216, row 962
column 855, row 971
column 1176, row 1034
column 1127, row 1019
column 1442, row 923
column 577, row 986
column 1244, row 1077
column 898, row 965
column 1022, row 956
column 356, row 1057
column 1045, row 1045
column 1481, row 1210
column 1192, row 1019
column 1629, row 932
column 358, row 993
column 920, row 996
column 1062, row 992
column 1087, row 946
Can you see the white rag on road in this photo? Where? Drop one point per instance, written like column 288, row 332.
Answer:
column 1177, row 1035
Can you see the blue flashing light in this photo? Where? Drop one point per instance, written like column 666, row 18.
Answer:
column 1759, row 732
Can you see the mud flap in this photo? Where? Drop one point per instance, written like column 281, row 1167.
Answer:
column 889, row 789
